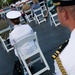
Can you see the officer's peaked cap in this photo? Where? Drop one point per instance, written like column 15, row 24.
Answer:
column 63, row 2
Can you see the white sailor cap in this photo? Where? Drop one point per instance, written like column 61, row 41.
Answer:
column 13, row 14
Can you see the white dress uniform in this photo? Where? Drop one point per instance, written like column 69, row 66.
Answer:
column 18, row 32
column 67, row 57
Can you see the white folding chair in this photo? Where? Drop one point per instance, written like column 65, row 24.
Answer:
column 6, row 45
column 39, row 18
column 53, row 16
column 43, row 6
column 29, row 15
column 23, row 58
column 22, row 20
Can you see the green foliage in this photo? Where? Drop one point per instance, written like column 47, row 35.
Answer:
column 6, row 2
column 9, row 1
column 1, row 3
column 12, row 1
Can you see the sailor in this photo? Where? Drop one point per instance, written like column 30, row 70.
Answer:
column 20, row 31
column 66, row 15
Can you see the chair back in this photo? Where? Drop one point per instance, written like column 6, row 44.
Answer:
column 4, row 30
column 23, row 58
column 37, row 11
column 25, row 39
column 43, row 6
column 51, row 8
column 29, row 15
column 5, row 42
column 53, row 16
column 39, row 15
column 28, row 11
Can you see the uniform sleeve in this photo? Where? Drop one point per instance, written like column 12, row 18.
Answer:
column 11, row 39
column 30, row 28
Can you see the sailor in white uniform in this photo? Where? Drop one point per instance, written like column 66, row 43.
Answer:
column 66, row 15
column 19, row 31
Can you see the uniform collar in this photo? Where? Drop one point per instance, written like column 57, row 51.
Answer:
column 17, row 25
column 72, row 35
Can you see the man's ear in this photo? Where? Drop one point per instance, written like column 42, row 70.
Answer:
column 65, row 14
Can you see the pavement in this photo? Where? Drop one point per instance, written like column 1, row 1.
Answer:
column 49, row 37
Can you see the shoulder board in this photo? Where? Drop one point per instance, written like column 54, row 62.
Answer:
column 60, row 49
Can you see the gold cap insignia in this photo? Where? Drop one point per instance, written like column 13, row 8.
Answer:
column 57, row 4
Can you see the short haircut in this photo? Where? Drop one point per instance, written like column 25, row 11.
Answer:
column 15, row 21
column 71, row 10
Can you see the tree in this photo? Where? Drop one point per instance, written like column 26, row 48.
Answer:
column 9, row 1
column 12, row 1
column 1, row 3
column 6, row 2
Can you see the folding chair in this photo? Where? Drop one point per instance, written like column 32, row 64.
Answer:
column 43, row 6
column 53, row 16
column 38, row 15
column 29, row 15
column 23, row 58
column 22, row 20
column 4, row 42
